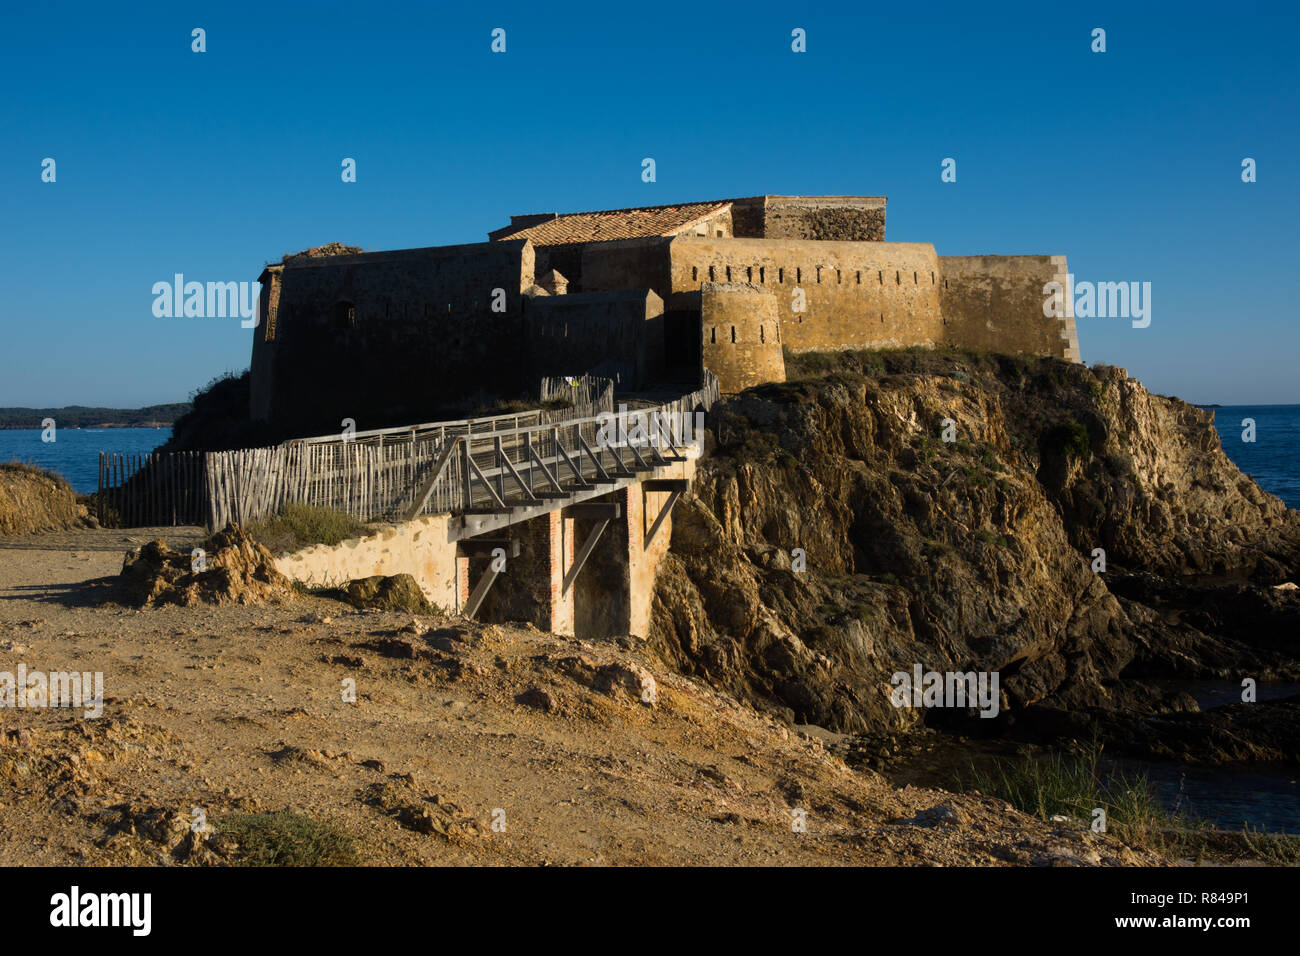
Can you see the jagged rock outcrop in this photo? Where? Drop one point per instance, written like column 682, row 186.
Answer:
column 396, row 592
column 974, row 554
column 234, row 569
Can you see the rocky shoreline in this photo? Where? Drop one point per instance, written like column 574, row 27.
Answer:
column 980, row 554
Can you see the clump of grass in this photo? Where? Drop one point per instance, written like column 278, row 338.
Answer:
column 287, row 838
column 17, row 467
column 34, row 499
column 1056, row 784
column 1053, row 784
column 299, row 526
column 1275, row 849
column 505, row 406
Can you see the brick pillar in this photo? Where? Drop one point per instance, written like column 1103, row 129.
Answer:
column 552, row 540
column 462, row 582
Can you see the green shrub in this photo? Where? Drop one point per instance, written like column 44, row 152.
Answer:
column 287, row 838
column 217, row 419
column 299, row 526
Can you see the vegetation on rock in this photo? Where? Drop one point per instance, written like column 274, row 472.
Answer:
column 396, row 592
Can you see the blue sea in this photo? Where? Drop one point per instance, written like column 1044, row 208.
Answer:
column 1273, row 458
column 74, row 453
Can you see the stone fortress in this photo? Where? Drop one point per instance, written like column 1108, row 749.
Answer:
column 646, row 294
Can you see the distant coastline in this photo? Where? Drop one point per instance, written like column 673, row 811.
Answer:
column 147, row 423
column 83, row 416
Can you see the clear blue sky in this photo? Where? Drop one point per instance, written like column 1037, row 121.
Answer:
column 210, row 164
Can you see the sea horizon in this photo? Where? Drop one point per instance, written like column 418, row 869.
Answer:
column 1272, row 460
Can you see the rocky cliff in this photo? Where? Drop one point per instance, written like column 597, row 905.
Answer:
column 974, row 553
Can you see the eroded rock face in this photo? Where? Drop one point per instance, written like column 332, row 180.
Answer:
column 395, row 592
column 235, row 569
column 974, row 554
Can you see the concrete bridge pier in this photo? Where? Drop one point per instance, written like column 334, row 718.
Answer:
column 584, row 570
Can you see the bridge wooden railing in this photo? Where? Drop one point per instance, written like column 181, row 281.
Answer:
column 452, row 470
column 561, row 398
column 470, row 466
column 525, row 467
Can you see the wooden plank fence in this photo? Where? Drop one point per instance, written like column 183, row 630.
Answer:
column 367, row 481
column 371, row 476
column 583, row 392
column 159, row 488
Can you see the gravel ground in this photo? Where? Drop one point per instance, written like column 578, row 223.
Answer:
column 466, row 743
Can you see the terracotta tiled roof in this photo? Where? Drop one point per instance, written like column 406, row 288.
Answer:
column 612, row 224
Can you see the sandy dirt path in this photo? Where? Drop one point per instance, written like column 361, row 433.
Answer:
column 455, row 727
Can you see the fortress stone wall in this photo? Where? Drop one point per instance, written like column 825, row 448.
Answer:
column 742, row 335
column 383, row 337
column 856, row 218
column 992, row 302
column 829, row 295
column 645, row 292
column 614, row 332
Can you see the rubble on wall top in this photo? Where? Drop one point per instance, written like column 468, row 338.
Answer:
column 320, row 252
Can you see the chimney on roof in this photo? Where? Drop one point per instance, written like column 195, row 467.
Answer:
column 532, row 219
column 522, row 222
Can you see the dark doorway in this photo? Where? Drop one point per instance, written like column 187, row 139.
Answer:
column 343, row 315
column 682, row 344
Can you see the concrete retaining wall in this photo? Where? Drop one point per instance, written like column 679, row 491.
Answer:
column 420, row 548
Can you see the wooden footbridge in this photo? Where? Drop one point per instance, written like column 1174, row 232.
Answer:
column 553, row 471
column 491, row 481
column 491, row 472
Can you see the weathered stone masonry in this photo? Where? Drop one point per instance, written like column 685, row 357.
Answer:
column 630, row 293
